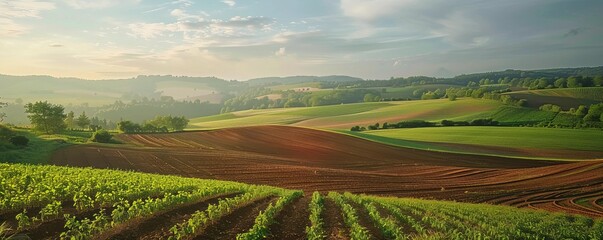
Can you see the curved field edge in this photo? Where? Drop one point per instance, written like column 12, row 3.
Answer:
column 435, row 139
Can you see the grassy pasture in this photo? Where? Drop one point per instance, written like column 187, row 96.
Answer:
column 518, row 137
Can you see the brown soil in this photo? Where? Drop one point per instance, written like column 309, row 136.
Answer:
column 239, row 221
column 292, row 221
column 335, row 227
column 313, row 160
column 366, row 221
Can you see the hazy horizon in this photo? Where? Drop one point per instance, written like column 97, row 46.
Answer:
column 243, row 40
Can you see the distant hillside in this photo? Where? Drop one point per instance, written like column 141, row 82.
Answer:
column 566, row 98
column 547, row 73
column 300, row 79
column 344, row 116
column 96, row 93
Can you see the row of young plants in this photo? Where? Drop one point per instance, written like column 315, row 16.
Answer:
column 316, row 229
column 350, row 217
column 202, row 219
column 125, row 210
column 261, row 227
column 388, row 226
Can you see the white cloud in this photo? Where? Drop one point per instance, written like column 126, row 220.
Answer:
column 198, row 26
column 12, row 10
column 229, row 2
column 83, row 4
column 281, row 52
column 371, row 10
column 183, row 15
column 151, row 30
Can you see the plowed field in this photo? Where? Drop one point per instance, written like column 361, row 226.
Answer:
column 301, row 158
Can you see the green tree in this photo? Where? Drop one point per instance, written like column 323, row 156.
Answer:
column 179, row 123
column 128, row 127
column 70, row 120
column 573, row 82
column 2, row 115
column 46, row 117
column 598, row 81
column 369, row 97
column 83, row 121
column 581, row 111
column 560, row 83
column 101, row 136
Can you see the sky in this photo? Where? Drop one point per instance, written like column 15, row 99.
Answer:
column 238, row 39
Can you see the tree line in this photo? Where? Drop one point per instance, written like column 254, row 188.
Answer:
column 50, row 118
column 257, row 99
column 160, row 124
column 422, row 123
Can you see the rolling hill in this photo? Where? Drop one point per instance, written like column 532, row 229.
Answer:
column 347, row 115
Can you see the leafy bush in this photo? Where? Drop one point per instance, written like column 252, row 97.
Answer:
column 101, row 136
column 19, row 140
column 550, row 108
column 448, row 123
column 5, row 132
column 484, row 122
column 414, row 124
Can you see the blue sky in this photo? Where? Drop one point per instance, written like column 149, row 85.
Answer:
column 236, row 39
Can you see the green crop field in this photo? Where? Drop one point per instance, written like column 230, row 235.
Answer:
column 519, row 137
column 107, row 203
column 346, row 115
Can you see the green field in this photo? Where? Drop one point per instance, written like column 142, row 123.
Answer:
column 33, row 197
column 347, row 115
column 40, row 147
column 517, row 137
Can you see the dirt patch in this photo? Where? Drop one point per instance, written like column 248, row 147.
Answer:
column 292, row 221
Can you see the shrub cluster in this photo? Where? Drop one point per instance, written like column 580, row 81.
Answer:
column 101, row 136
